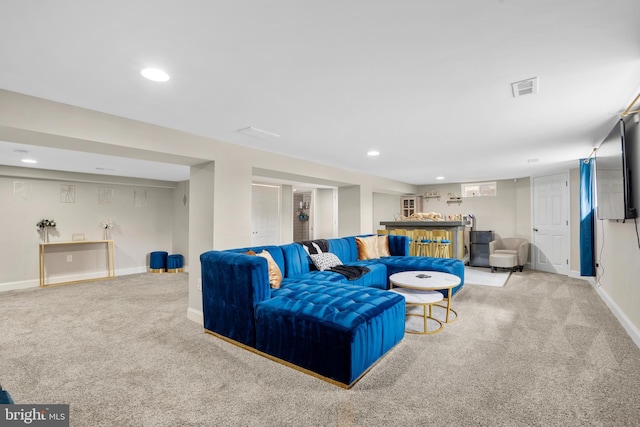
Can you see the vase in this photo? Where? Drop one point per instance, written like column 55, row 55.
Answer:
column 106, row 235
column 46, row 234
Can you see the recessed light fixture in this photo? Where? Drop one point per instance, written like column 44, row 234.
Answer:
column 29, row 161
column 155, row 74
column 439, row 178
column 373, row 153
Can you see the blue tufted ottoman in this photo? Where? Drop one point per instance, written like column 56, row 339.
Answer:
column 338, row 332
column 158, row 261
column 174, row 263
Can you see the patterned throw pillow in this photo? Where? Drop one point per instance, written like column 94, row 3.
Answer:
column 325, row 261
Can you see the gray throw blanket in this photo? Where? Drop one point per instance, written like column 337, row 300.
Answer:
column 351, row 272
column 322, row 244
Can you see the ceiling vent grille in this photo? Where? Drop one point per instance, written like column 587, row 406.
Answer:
column 258, row 133
column 525, row 87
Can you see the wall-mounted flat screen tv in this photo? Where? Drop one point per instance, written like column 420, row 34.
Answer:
column 614, row 196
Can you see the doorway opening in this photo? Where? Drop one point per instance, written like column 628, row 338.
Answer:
column 302, row 216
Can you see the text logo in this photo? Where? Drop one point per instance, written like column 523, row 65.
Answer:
column 34, row 415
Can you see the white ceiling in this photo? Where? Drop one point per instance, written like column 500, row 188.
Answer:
column 427, row 83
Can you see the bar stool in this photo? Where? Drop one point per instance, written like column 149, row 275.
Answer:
column 423, row 242
column 442, row 244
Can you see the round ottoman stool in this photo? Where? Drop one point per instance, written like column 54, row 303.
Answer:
column 174, row 263
column 158, row 261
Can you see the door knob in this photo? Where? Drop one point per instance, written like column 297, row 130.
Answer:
column 535, row 229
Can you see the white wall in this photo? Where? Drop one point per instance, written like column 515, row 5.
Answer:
column 138, row 229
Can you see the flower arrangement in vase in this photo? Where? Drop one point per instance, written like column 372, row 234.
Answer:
column 106, row 225
column 43, row 226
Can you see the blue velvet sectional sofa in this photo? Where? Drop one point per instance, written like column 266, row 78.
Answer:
column 318, row 321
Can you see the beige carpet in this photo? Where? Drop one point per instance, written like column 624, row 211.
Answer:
column 542, row 351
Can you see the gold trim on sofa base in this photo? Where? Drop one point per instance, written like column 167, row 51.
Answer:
column 156, row 270
column 296, row 367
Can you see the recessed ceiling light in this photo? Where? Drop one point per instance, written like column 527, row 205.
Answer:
column 439, row 178
column 154, row 74
column 29, row 161
column 373, row 153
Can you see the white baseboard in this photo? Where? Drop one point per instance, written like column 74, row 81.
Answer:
column 34, row 283
column 626, row 323
column 23, row 284
column 195, row 316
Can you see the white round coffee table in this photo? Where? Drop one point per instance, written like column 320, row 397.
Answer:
column 417, row 297
column 428, row 281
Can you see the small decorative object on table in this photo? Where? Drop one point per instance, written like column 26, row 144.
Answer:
column 106, row 225
column 43, row 226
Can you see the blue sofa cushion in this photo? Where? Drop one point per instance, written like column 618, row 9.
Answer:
column 274, row 251
column 335, row 331
column 296, row 260
column 232, row 284
column 5, row 397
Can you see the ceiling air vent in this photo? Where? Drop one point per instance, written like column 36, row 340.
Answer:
column 525, row 87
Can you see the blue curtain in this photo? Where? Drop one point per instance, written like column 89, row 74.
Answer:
column 587, row 219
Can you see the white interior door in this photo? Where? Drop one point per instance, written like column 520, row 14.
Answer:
column 265, row 215
column 550, row 248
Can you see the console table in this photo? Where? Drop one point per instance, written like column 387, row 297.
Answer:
column 77, row 247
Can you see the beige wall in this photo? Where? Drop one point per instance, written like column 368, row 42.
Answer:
column 385, row 208
column 508, row 214
column 617, row 253
column 137, row 230
column 180, row 221
column 325, row 214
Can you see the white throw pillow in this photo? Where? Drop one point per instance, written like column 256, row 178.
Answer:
column 325, row 261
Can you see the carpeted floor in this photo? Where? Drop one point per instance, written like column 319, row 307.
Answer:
column 542, row 351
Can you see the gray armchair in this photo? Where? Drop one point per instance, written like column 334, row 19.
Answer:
column 509, row 252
